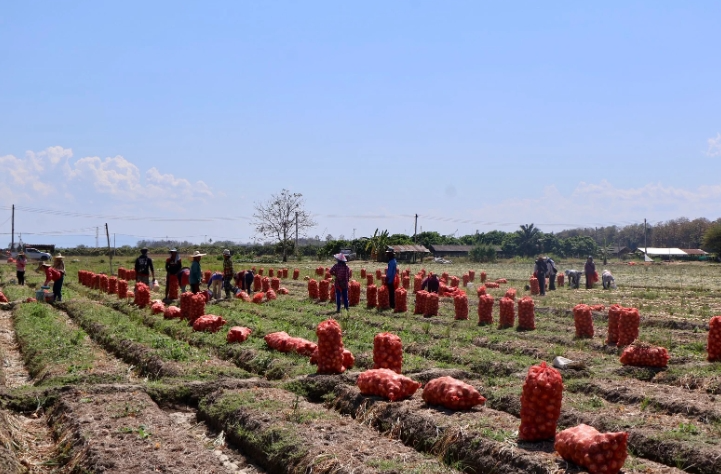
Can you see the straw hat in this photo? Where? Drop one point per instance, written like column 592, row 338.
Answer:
column 44, row 264
column 198, row 254
column 340, row 257
column 21, row 253
column 173, row 250
column 59, row 257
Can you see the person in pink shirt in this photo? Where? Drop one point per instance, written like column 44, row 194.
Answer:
column 20, row 263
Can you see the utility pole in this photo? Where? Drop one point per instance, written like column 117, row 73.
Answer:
column 12, row 239
column 645, row 243
column 97, row 231
column 296, row 233
column 415, row 237
column 110, row 253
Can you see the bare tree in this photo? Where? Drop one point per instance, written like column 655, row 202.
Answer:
column 277, row 218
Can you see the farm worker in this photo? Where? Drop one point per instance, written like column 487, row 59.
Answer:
column 216, row 279
column 607, row 280
column 540, row 269
column 431, row 282
column 59, row 266
column 144, row 267
column 341, row 272
column 590, row 270
column 574, row 279
column 552, row 271
column 51, row 275
column 173, row 265
column 196, row 274
column 227, row 273
column 248, row 280
column 20, row 263
column 391, row 277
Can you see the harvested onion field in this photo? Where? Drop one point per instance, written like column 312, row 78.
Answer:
column 95, row 384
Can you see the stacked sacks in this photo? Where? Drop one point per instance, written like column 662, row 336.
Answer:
column 330, row 347
column 257, row 285
column 401, row 300
column 507, row 314
column 313, row 292
column 122, row 289
column 323, row 290
column 371, row 296
column 460, row 305
column 142, row 295
column 526, row 314
column 713, row 349
column 614, row 316
column 485, row 309
column 275, row 283
column 431, row 308
column 265, row 284
column 354, row 293
column 628, row 324
column 383, row 297
column 420, row 306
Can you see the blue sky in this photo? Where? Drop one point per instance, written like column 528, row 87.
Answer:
column 473, row 115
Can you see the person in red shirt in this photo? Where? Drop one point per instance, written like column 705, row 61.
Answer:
column 20, row 263
column 51, row 275
column 342, row 275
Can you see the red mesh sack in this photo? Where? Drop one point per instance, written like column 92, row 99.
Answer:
column 713, row 349
column 491, row 284
column 583, row 320
column 501, row 281
column 387, row 352
column 171, row 312
column 257, row 279
column 265, row 284
column 387, row 384
column 122, row 289
column 113, row 285
column 319, row 271
column 417, row 283
column 640, row 354
column 535, row 287
column 348, row 359
column 3, row 298
column 271, row 295
column 238, row 334
column 371, row 296
column 197, row 306
column 511, row 293
column 598, row 307
column 379, row 274
column 283, row 290
column 420, row 306
column 208, row 323
column 560, row 280
column 282, row 342
column 454, row 281
column 132, row 275
column 96, row 279
column 466, row 279
column 526, row 314
column 285, row 273
column 104, row 283
column 354, row 293
column 407, row 282
column 507, row 313
column 271, row 273
column 485, row 309
column 206, row 276
column 260, row 272
column 142, row 295
column 483, row 277
column 122, row 273
column 472, row 275
column 600, row 453
column 275, row 283
column 431, row 305
column 383, row 297
column 131, row 294
column 330, row 347
column 327, row 275
column 628, row 326
column 460, row 305
column 401, row 300
column 323, row 290
column 594, row 277
column 363, row 273
column 313, row 292
column 186, row 301
column 369, row 279
column 258, row 297
column 540, row 403
column 157, row 307
column 296, row 273
column 452, row 394
column 481, row 290
column 243, row 296
column 614, row 316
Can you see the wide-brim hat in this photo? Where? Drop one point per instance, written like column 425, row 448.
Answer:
column 226, row 252
column 59, row 257
column 21, row 253
column 340, row 257
column 198, row 254
column 44, row 264
column 173, row 250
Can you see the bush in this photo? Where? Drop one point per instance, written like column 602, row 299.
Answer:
column 483, row 254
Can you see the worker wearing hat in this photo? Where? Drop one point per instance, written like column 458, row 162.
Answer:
column 391, row 277
column 173, row 265
column 20, row 263
column 342, row 275
column 144, row 267
column 228, row 273
column 196, row 274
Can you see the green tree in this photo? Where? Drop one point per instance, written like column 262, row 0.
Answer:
column 377, row 244
column 712, row 239
column 483, row 253
column 528, row 240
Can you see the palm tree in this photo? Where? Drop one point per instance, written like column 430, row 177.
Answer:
column 377, row 243
column 528, row 237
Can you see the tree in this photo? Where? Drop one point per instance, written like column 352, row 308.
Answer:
column 712, row 239
column 277, row 218
column 377, row 244
column 528, row 239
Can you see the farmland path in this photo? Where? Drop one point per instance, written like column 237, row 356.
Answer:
column 13, row 369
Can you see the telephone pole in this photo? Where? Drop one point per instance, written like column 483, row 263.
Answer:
column 296, row 233
column 110, row 253
column 645, row 243
column 415, row 237
column 97, row 231
column 12, row 239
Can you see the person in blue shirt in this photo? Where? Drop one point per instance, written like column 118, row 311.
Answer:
column 196, row 274
column 391, row 277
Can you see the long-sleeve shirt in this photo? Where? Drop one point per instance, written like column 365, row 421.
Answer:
column 391, row 271
column 432, row 283
column 20, row 264
column 540, row 268
column 196, row 275
column 227, row 268
column 59, row 265
column 217, row 276
column 590, row 268
column 341, row 273
column 51, row 274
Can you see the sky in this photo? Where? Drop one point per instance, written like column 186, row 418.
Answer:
column 174, row 119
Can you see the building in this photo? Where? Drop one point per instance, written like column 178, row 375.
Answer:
column 456, row 250
column 673, row 252
column 409, row 253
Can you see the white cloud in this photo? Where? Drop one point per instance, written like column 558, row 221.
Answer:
column 714, row 146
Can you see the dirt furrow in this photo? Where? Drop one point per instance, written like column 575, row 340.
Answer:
column 13, row 371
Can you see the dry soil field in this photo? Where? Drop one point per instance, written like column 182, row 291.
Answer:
column 95, row 384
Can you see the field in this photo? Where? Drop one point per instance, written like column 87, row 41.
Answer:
column 95, row 384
